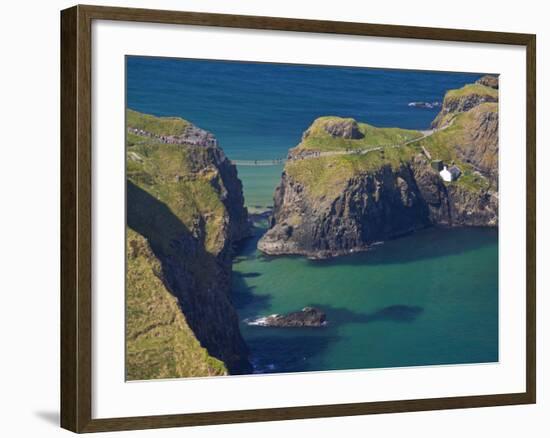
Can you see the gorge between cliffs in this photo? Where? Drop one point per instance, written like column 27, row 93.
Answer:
column 355, row 218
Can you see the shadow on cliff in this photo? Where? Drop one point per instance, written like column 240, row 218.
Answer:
column 244, row 297
column 196, row 277
column 247, row 247
column 424, row 244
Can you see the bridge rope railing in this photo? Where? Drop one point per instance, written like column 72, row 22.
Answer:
column 259, row 162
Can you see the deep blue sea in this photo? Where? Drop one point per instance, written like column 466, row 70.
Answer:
column 426, row 299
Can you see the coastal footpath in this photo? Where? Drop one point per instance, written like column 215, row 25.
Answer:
column 185, row 211
column 348, row 185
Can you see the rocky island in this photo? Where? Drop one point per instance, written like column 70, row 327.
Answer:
column 185, row 210
column 307, row 317
column 349, row 185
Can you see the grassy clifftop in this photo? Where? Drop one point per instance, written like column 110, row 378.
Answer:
column 340, row 159
column 462, row 100
column 448, row 144
column 332, row 133
column 346, row 148
column 472, row 90
column 168, row 173
column 156, row 125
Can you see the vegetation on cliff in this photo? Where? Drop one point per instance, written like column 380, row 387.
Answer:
column 332, row 133
column 340, row 158
column 185, row 200
column 462, row 100
column 160, row 343
column 349, row 184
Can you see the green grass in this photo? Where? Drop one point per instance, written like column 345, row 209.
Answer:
column 469, row 89
column 166, row 173
column 159, row 343
column 155, row 125
column 472, row 182
column 325, row 177
column 320, row 140
column 441, row 146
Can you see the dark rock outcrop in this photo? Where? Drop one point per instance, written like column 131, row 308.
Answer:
column 346, row 128
column 479, row 144
column 488, row 81
column 192, row 135
column 339, row 127
column 371, row 208
column 307, row 317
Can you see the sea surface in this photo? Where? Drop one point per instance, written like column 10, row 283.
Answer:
column 429, row 298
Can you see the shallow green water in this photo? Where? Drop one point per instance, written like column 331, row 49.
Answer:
column 259, row 182
column 428, row 298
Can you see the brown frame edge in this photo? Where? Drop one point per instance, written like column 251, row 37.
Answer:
column 76, row 239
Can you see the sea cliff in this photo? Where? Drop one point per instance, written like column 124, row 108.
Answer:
column 185, row 211
column 349, row 185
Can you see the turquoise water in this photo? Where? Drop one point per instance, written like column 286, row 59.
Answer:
column 259, row 182
column 430, row 298
column 425, row 299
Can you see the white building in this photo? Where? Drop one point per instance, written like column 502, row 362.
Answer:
column 446, row 175
column 451, row 174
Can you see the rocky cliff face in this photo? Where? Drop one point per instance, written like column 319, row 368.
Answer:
column 464, row 99
column 371, row 207
column 478, row 145
column 185, row 199
column 333, row 202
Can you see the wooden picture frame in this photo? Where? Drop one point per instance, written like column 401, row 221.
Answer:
column 76, row 217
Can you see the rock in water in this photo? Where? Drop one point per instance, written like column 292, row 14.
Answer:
column 307, row 317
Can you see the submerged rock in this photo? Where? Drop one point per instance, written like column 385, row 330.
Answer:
column 307, row 317
column 426, row 105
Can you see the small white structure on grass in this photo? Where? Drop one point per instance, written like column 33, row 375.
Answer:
column 451, row 174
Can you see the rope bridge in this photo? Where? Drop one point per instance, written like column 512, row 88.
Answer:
column 258, row 162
